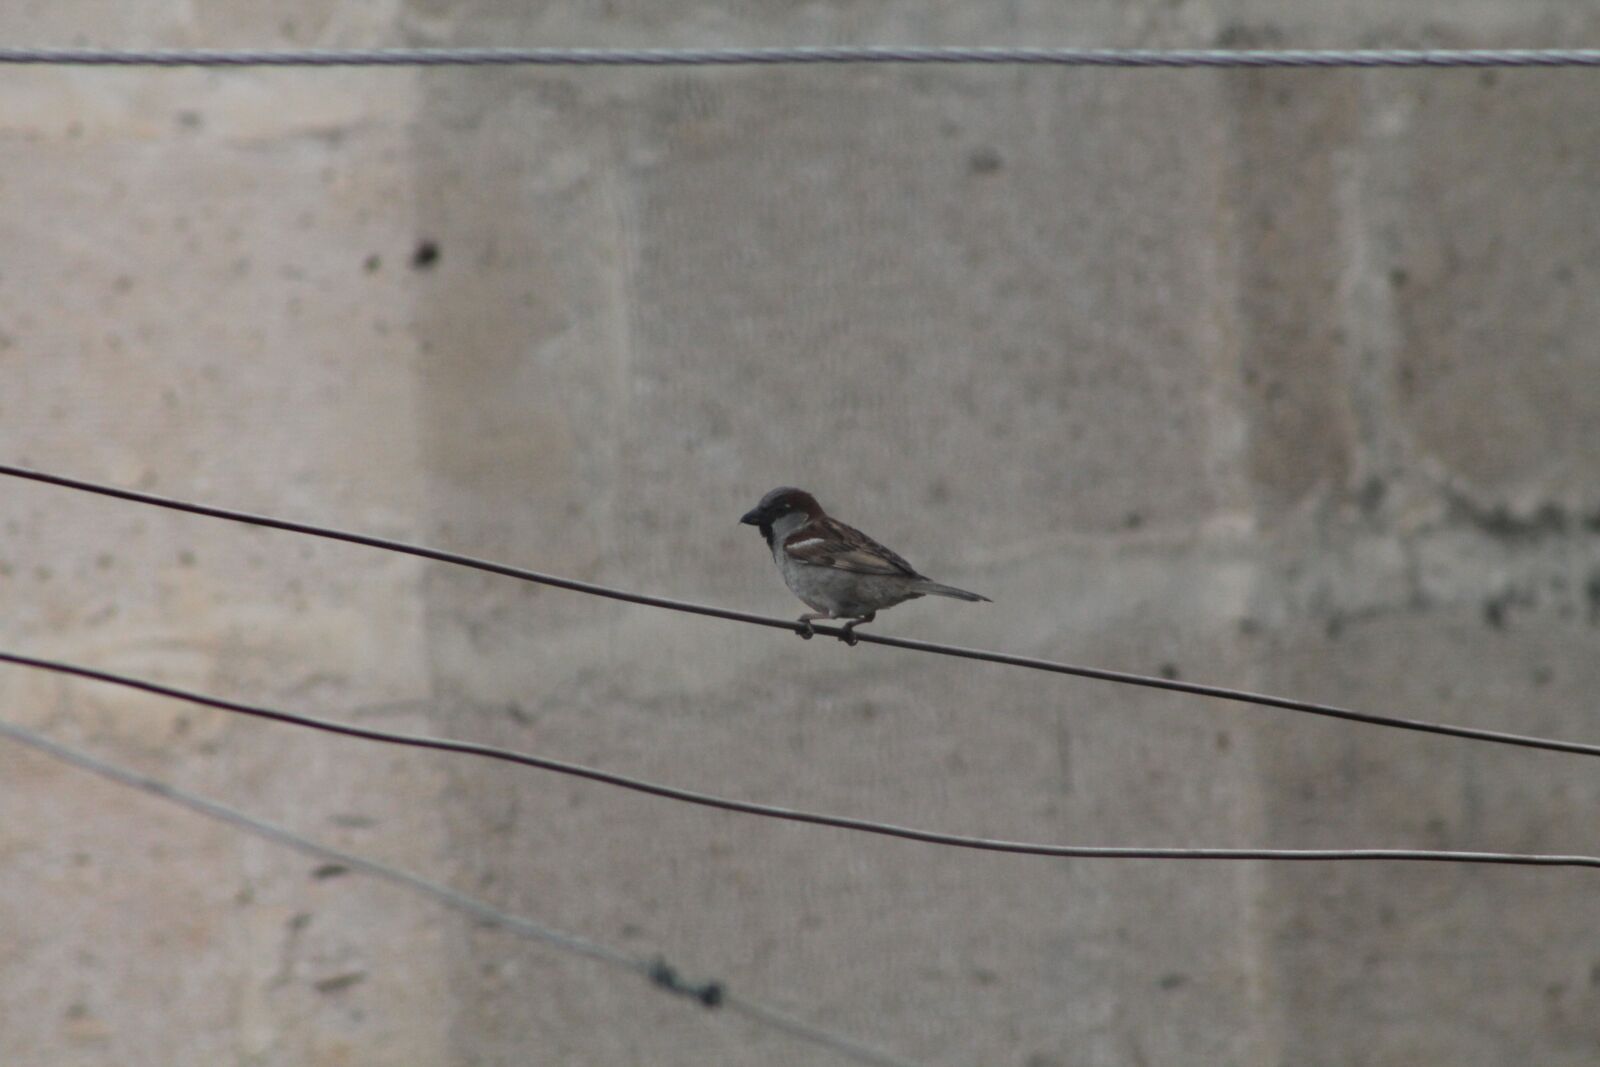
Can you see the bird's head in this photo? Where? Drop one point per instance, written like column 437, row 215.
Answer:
column 779, row 504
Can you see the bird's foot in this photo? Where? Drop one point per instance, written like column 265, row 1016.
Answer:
column 806, row 631
column 848, row 634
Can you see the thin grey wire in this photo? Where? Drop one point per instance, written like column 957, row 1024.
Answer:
column 745, row 807
column 808, row 54
column 1175, row 685
column 480, row 910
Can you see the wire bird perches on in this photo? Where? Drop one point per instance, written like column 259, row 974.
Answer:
column 1175, row 685
column 658, row 971
column 805, row 54
column 744, row 807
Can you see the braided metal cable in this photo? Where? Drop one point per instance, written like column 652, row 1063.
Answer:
column 806, row 54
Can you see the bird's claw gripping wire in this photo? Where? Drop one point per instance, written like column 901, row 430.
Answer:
column 663, row 974
column 807, row 631
column 848, row 634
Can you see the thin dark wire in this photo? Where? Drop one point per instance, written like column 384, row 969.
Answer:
column 711, row 994
column 701, row 57
column 1307, row 707
column 744, row 807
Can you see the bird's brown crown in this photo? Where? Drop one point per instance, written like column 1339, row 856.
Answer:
column 785, row 499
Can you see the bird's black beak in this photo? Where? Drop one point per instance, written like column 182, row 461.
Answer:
column 752, row 517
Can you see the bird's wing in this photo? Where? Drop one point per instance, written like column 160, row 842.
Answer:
column 827, row 542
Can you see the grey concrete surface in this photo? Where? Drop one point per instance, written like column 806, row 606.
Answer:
column 1280, row 380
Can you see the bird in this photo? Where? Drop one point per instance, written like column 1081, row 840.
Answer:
column 838, row 571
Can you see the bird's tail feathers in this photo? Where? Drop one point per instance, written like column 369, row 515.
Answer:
column 938, row 589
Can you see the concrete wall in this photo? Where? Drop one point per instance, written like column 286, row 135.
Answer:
column 1281, row 380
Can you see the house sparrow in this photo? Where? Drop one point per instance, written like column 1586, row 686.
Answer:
column 834, row 568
